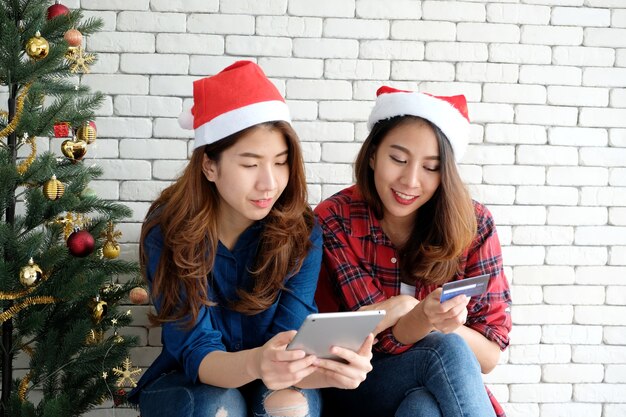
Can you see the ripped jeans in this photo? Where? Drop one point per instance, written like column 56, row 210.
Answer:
column 172, row 395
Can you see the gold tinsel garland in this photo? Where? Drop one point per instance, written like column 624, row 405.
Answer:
column 16, row 295
column 23, row 166
column 19, row 107
column 6, row 315
column 21, row 391
column 28, row 350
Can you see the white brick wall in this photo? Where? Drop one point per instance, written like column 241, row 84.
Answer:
column 546, row 81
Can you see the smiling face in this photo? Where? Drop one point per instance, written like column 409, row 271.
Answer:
column 249, row 176
column 406, row 166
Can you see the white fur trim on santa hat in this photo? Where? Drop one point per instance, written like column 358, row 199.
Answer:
column 439, row 112
column 239, row 119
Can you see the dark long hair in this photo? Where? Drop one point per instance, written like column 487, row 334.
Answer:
column 187, row 211
column 445, row 225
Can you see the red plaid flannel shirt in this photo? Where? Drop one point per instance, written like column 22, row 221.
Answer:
column 360, row 268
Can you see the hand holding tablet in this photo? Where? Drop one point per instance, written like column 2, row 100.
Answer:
column 321, row 331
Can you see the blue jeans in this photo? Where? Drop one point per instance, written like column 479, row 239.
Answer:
column 438, row 376
column 172, row 395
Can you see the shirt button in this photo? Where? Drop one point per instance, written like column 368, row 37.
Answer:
column 237, row 346
column 394, row 260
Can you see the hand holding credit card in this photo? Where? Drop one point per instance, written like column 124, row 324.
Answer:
column 468, row 286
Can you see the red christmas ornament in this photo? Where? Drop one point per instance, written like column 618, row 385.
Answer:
column 81, row 243
column 119, row 397
column 138, row 295
column 61, row 130
column 73, row 37
column 57, row 9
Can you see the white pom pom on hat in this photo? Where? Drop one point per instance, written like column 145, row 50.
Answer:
column 238, row 97
column 448, row 113
column 185, row 119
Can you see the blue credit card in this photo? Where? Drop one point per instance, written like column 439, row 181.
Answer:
column 468, row 286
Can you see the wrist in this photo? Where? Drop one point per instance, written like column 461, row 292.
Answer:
column 253, row 363
column 419, row 317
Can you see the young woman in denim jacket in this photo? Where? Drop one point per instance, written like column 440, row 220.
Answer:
column 231, row 252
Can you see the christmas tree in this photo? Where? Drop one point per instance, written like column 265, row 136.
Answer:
column 60, row 296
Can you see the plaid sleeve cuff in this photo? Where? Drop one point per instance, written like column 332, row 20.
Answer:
column 387, row 343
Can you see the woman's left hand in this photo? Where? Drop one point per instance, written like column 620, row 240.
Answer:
column 347, row 375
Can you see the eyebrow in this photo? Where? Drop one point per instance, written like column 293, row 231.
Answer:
column 405, row 150
column 257, row 156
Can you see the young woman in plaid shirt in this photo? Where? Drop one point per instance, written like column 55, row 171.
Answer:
column 391, row 241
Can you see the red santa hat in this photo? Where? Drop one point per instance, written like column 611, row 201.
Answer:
column 447, row 113
column 238, row 97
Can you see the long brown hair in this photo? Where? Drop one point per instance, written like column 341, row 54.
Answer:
column 446, row 224
column 187, row 211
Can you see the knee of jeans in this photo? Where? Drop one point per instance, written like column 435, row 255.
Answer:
column 455, row 346
column 288, row 402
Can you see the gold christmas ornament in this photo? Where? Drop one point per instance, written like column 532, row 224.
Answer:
column 31, row 274
column 73, row 37
column 79, row 60
column 37, row 47
column 53, row 189
column 110, row 288
column 87, row 133
column 111, row 250
column 127, row 373
column 94, row 337
column 98, row 309
column 74, row 150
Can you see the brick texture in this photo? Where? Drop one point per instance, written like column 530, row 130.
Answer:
column 546, row 85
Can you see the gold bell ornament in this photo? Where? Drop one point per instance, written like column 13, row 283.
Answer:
column 98, row 309
column 31, row 274
column 53, row 189
column 37, row 47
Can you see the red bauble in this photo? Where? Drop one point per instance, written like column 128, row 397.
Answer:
column 138, row 295
column 81, row 243
column 73, row 37
column 57, row 9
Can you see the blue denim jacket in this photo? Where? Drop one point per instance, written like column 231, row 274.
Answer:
column 217, row 327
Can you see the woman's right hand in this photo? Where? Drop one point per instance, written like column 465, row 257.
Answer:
column 396, row 307
column 347, row 375
column 278, row 367
column 445, row 317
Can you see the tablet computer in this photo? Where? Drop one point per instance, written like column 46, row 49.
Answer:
column 345, row 329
